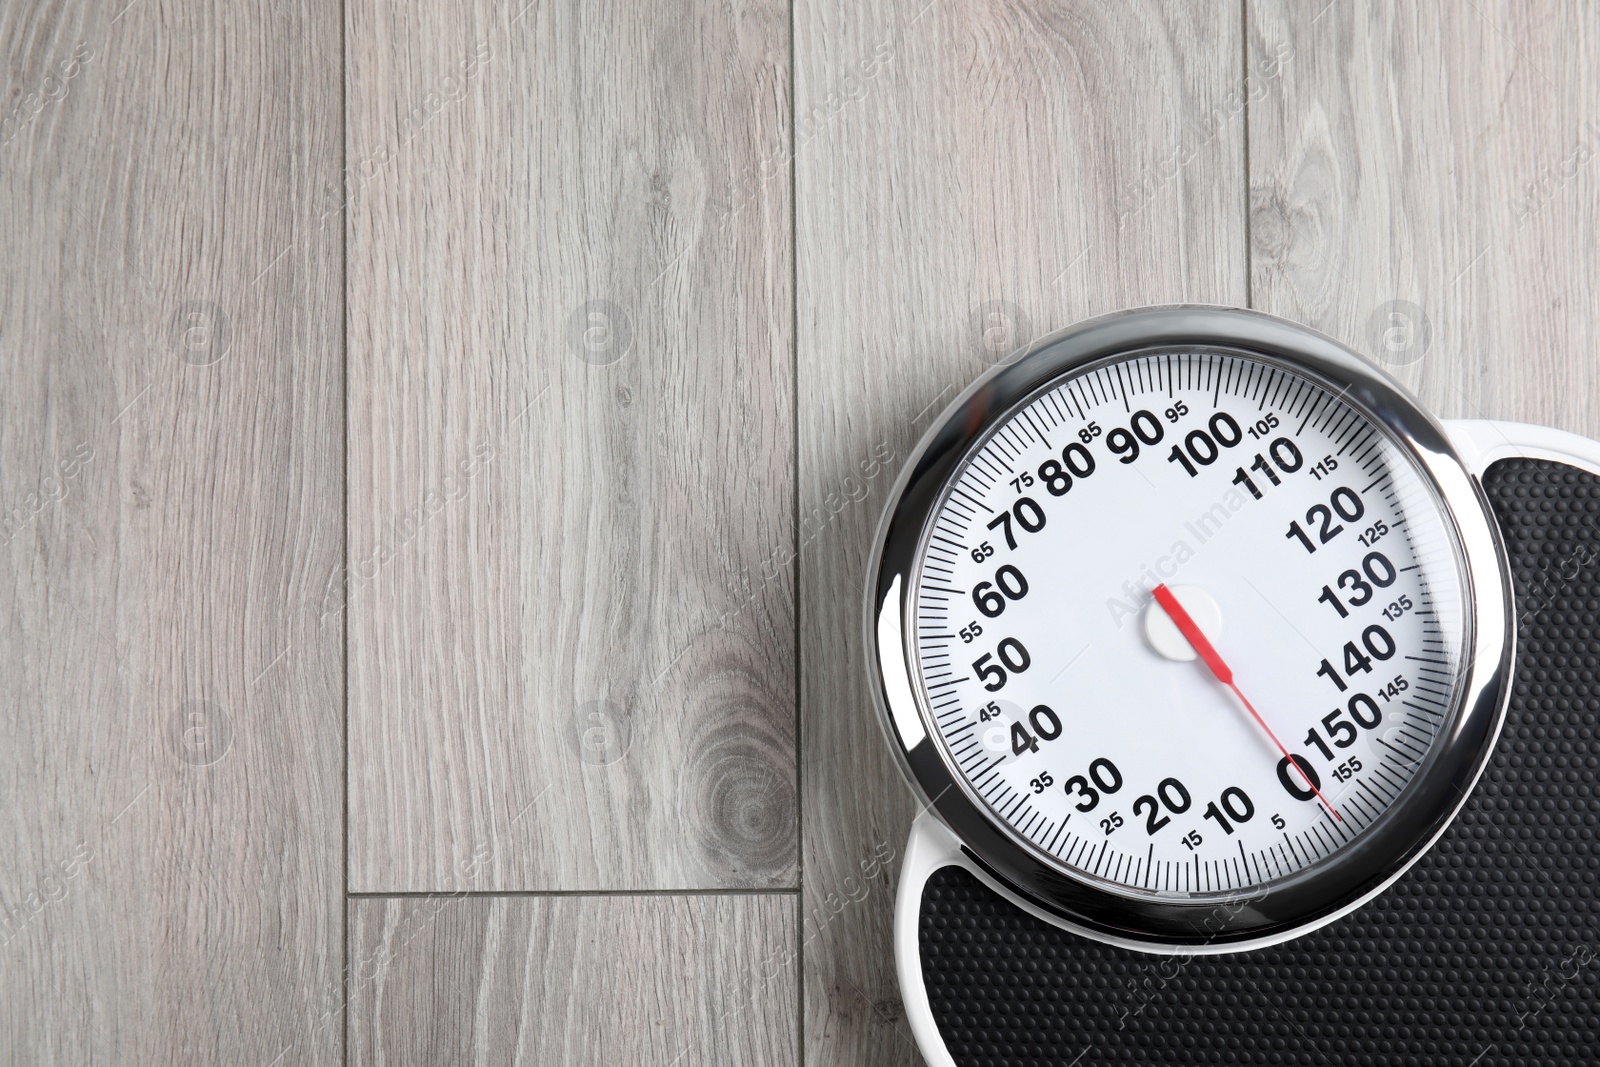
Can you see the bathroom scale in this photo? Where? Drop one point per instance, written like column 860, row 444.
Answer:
column 1253, row 712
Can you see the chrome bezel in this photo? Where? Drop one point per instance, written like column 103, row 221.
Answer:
column 1335, row 885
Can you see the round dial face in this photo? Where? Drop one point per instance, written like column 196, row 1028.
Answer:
column 1187, row 623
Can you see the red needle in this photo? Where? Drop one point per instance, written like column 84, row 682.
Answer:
column 1192, row 633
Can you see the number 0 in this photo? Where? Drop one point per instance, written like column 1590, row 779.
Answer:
column 1013, row 655
column 1237, row 803
column 1105, row 775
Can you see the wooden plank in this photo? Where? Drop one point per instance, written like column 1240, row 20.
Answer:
column 171, row 473
column 966, row 178
column 1424, row 188
column 571, row 430
column 674, row 981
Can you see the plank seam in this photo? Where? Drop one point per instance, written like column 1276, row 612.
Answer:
column 1244, row 91
column 344, row 616
column 495, row 893
column 799, row 562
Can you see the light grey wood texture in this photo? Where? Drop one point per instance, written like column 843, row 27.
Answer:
column 669, row 981
column 599, row 397
column 967, row 177
column 1447, row 156
column 571, row 626
column 171, row 473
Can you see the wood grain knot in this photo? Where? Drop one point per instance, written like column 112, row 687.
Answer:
column 744, row 809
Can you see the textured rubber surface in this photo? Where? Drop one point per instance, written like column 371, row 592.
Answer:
column 1486, row 953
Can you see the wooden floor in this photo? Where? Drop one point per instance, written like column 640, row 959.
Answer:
column 439, row 448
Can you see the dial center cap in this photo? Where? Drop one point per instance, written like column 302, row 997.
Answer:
column 1163, row 633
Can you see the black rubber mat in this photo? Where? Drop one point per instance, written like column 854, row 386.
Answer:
column 1486, row 953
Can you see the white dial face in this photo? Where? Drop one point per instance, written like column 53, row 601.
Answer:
column 1076, row 552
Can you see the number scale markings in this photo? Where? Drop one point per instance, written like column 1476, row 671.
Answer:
column 1027, row 519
